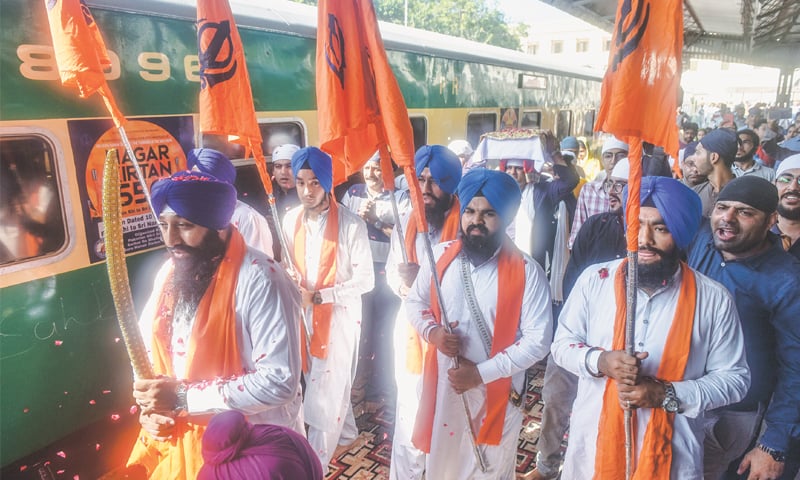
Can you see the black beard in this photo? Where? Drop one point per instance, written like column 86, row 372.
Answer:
column 746, row 157
column 480, row 248
column 193, row 274
column 656, row 275
column 435, row 213
column 788, row 213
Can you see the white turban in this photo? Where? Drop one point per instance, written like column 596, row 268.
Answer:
column 613, row 142
column 788, row 163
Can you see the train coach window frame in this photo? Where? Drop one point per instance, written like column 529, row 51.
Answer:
column 564, row 123
column 526, row 116
column 476, row 125
column 43, row 179
column 419, row 125
column 280, row 136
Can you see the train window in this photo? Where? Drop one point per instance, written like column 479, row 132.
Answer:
column 531, row 119
column 31, row 217
column 588, row 123
column 478, row 124
column 420, row 127
column 280, row 133
column 564, row 123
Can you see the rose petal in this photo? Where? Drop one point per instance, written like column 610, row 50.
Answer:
column 61, row 454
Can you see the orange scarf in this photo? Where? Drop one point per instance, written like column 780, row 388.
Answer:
column 326, row 278
column 510, row 289
column 655, row 459
column 415, row 347
column 213, row 353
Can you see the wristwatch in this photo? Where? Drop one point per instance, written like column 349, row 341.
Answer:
column 316, row 298
column 776, row 455
column 671, row 402
column 180, row 397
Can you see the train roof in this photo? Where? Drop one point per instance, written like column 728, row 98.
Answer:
column 301, row 20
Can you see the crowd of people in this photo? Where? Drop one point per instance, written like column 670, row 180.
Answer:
column 263, row 353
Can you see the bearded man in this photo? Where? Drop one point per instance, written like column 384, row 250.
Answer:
column 689, row 350
column 498, row 303
column 438, row 171
column 788, row 225
column 215, row 328
column 745, row 163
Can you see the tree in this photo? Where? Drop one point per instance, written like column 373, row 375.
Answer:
column 470, row 19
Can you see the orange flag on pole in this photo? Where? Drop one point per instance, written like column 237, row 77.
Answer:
column 640, row 90
column 360, row 106
column 80, row 51
column 226, row 101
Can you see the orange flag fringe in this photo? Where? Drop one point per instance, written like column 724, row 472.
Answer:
column 640, row 88
column 226, row 100
column 80, row 52
column 360, row 106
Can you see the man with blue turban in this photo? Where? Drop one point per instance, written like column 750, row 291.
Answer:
column 251, row 224
column 439, row 172
column 736, row 248
column 329, row 248
column 689, row 356
column 215, row 329
column 498, row 304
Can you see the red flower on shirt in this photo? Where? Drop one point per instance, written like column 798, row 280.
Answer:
column 603, row 272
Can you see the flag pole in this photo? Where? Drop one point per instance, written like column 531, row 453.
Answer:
column 446, row 324
column 632, row 238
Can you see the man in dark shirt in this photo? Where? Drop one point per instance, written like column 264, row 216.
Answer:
column 737, row 249
column 283, row 180
column 788, row 226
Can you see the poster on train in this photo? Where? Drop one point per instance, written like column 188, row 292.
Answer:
column 159, row 144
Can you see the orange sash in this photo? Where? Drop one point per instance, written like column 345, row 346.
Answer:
column 213, row 353
column 655, row 460
column 326, row 278
column 510, row 289
column 414, row 345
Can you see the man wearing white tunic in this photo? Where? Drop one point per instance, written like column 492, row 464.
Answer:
column 507, row 331
column 439, row 171
column 252, row 225
column 215, row 328
column 330, row 250
column 689, row 351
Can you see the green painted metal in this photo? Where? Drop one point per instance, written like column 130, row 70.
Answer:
column 281, row 70
column 61, row 361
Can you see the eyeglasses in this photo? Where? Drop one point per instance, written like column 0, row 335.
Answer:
column 786, row 179
column 611, row 186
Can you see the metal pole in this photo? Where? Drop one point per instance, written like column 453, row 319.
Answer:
column 399, row 227
column 630, row 318
column 446, row 324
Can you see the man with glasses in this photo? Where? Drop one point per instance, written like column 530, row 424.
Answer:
column 788, row 224
column 593, row 198
column 745, row 163
column 737, row 249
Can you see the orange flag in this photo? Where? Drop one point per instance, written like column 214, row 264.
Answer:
column 226, row 101
column 80, row 51
column 359, row 103
column 640, row 90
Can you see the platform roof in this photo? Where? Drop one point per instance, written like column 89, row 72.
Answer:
column 754, row 32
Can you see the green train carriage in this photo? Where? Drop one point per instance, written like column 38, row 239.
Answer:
column 65, row 403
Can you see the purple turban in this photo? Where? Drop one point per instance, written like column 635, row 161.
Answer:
column 318, row 161
column 234, row 449
column 679, row 206
column 444, row 164
column 499, row 188
column 213, row 163
column 198, row 197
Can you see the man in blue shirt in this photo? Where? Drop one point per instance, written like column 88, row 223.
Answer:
column 737, row 249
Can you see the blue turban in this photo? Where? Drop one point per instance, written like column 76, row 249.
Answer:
column 679, row 206
column 569, row 143
column 444, row 164
column 198, row 197
column 319, row 162
column 499, row 188
column 721, row 141
column 213, row 163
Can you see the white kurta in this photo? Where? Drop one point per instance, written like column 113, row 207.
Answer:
column 407, row 463
column 716, row 371
column 253, row 227
column 451, row 454
column 328, row 383
column 269, row 344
